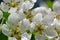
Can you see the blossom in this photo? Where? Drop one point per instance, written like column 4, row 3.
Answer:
column 56, row 6
column 3, row 7
column 42, row 9
column 1, row 14
column 13, row 19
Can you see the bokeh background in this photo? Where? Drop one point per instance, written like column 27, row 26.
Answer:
column 48, row 3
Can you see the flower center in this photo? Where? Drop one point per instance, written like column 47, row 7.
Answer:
column 57, row 30
column 29, row 15
column 13, row 4
column 39, row 28
column 57, row 16
column 15, row 33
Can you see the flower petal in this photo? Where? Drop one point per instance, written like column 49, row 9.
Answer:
column 25, row 36
column 24, row 25
column 37, row 18
column 27, row 5
column 12, row 38
column 56, row 6
column 5, row 29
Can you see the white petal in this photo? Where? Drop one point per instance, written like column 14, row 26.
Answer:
column 27, row 5
column 21, row 14
column 56, row 6
column 43, row 10
column 51, row 32
column 56, row 22
column 25, row 36
column 5, row 29
column 17, row 0
column 1, row 14
column 7, row 1
column 13, row 19
column 38, row 37
column 33, row 1
column 32, row 26
column 12, row 10
column 24, row 25
column 37, row 18
column 3, row 7
column 48, row 19
column 12, row 38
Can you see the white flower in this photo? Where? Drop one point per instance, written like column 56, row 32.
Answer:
column 5, row 29
column 48, row 19
column 13, row 19
column 9, row 1
column 27, row 5
column 32, row 26
column 50, row 32
column 56, row 22
column 12, row 38
column 21, row 14
column 39, row 37
column 25, row 36
column 28, row 0
column 56, row 6
column 3, row 7
column 43, row 10
column 24, row 25
column 33, row 1
column 1, row 14
column 17, row 0
column 12, row 10
column 37, row 18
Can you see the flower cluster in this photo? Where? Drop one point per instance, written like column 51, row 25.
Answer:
column 20, row 21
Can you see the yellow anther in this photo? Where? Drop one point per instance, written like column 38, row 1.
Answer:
column 13, row 4
column 12, row 32
column 57, row 16
column 17, row 29
column 39, row 28
column 29, row 15
column 57, row 30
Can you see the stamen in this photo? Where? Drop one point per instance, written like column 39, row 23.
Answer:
column 29, row 15
column 39, row 28
column 13, row 4
column 57, row 30
column 15, row 33
column 57, row 16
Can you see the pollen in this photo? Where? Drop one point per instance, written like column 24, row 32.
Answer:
column 15, row 33
column 57, row 30
column 39, row 29
column 13, row 4
column 29, row 15
column 57, row 16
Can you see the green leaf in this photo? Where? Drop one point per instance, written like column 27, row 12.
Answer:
column 5, row 17
column 33, row 37
column 3, row 37
column 49, row 4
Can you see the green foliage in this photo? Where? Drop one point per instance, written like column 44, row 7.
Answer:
column 49, row 3
column 5, row 17
column 3, row 37
column 33, row 37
